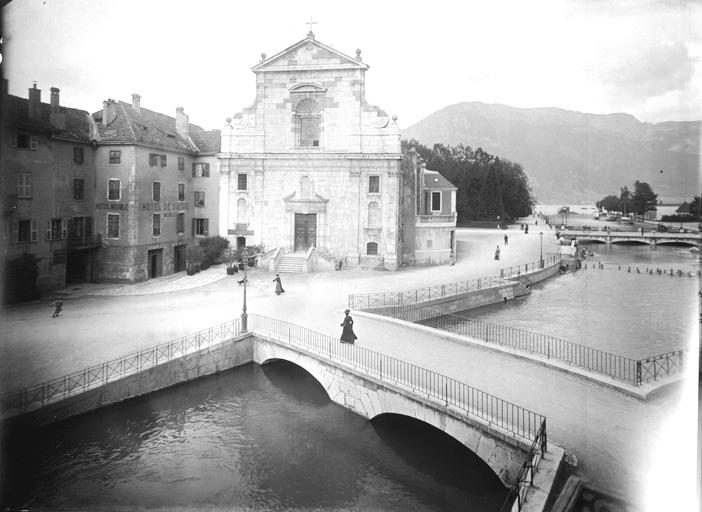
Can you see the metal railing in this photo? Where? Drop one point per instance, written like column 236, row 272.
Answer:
column 75, row 383
column 377, row 300
column 525, row 479
column 488, row 408
column 618, row 367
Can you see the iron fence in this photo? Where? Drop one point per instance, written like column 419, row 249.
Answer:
column 382, row 299
column 488, row 408
column 54, row 390
column 618, row 367
column 525, row 479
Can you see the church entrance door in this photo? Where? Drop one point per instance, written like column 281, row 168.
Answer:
column 305, row 231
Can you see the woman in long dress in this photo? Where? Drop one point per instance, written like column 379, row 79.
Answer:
column 347, row 335
column 278, row 286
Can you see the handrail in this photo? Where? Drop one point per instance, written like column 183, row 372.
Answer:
column 375, row 300
column 629, row 370
column 506, row 415
column 525, row 478
column 54, row 390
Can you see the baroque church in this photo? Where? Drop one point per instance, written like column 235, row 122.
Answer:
column 316, row 175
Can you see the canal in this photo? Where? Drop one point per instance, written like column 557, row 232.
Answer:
column 613, row 303
column 253, row 438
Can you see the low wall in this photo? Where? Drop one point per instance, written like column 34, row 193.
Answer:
column 205, row 362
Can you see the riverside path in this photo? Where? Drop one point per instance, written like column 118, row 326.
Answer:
column 614, row 436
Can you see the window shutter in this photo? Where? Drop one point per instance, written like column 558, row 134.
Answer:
column 207, row 226
column 194, row 171
column 193, row 227
column 163, row 160
column 15, row 231
column 48, row 229
column 202, row 198
column 35, row 231
column 33, row 142
column 13, row 140
column 64, row 229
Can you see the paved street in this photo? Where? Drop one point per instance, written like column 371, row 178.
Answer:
column 611, row 434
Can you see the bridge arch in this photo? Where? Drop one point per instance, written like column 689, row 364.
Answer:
column 370, row 398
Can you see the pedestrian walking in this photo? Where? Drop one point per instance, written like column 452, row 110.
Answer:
column 497, row 252
column 58, row 306
column 347, row 334
column 526, row 229
column 506, row 239
column 278, row 285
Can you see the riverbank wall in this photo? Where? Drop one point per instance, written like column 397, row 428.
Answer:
column 512, row 287
column 237, row 351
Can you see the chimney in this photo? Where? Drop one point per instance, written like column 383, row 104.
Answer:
column 55, row 99
column 57, row 115
column 182, row 123
column 34, row 102
column 136, row 103
column 109, row 112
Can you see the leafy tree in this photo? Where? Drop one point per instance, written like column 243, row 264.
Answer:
column 212, row 248
column 487, row 185
column 625, row 204
column 643, row 198
column 693, row 208
column 609, row 203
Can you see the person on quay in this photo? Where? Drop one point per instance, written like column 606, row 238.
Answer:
column 58, row 306
column 347, row 334
column 497, row 252
column 506, row 239
column 278, row 285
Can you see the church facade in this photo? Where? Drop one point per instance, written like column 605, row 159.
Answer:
column 311, row 166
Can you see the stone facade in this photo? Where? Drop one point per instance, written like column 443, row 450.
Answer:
column 322, row 166
column 47, row 180
column 157, row 190
column 312, row 165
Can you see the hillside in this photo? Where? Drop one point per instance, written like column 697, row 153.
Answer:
column 571, row 156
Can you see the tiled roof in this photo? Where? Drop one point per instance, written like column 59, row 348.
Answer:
column 16, row 115
column 208, row 141
column 153, row 128
column 432, row 179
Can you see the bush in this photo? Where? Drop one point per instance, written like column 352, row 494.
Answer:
column 20, row 279
column 212, row 248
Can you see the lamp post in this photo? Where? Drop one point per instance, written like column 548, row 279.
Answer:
column 244, row 316
column 541, row 249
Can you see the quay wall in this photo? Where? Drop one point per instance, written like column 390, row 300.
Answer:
column 236, row 352
column 475, row 298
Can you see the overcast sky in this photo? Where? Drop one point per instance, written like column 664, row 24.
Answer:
column 640, row 57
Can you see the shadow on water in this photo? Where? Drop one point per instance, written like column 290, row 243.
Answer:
column 428, row 449
column 295, row 381
column 254, row 438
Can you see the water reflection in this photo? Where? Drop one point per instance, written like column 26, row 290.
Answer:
column 250, row 438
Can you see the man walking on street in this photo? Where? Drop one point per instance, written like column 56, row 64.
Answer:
column 58, row 305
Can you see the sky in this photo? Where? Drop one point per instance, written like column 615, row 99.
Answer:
column 640, row 57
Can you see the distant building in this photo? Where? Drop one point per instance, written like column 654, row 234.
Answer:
column 312, row 169
column 156, row 190
column 47, row 179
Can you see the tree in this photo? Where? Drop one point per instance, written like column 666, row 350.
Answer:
column 487, row 185
column 643, row 198
column 212, row 248
column 625, row 204
column 609, row 203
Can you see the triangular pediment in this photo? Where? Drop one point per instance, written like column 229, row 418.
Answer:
column 308, row 54
column 316, row 198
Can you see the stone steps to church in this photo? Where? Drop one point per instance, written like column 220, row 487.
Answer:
column 290, row 264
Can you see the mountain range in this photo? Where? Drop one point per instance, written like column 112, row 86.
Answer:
column 572, row 156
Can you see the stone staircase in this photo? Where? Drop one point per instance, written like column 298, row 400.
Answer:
column 291, row 264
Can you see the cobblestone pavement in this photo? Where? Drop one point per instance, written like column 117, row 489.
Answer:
column 611, row 434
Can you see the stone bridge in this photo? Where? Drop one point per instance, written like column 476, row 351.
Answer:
column 633, row 237
column 372, row 395
column 510, row 439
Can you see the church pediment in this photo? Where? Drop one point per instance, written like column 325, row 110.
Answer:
column 309, row 54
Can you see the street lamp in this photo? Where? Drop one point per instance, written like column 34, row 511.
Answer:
column 244, row 316
column 541, row 249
